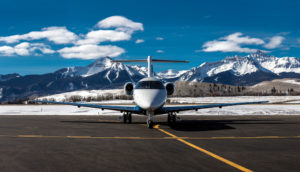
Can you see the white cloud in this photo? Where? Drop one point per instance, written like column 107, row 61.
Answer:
column 98, row 36
column 232, row 43
column 159, row 38
column 138, row 41
column 25, row 49
column 7, row 50
column 41, row 47
column 91, row 51
column 240, row 39
column 84, row 46
column 120, row 23
column 22, row 49
column 58, row 35
column 274, row 42
column 160, row 51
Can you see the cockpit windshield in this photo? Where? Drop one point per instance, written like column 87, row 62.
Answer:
column 149, row 85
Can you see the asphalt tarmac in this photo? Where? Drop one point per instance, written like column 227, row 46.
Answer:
column 104, row 143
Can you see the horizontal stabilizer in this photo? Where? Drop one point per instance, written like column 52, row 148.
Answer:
column 154, row 60
column 149, row 60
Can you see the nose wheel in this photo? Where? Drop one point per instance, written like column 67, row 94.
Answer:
column 127, row 118
column 150, row 120
column 149, row 123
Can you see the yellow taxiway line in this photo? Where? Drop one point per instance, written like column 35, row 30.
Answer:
column 226, row 161
column 172, row 137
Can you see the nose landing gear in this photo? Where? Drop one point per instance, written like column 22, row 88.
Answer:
column 150, row 120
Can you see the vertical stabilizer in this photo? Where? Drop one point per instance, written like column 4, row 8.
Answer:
column 149, row 61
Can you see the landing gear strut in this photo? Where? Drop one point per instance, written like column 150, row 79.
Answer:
column 150, row 120
column 127, row 117
column 172, row 119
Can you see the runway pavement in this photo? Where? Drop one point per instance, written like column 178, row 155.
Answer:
column 104, row 143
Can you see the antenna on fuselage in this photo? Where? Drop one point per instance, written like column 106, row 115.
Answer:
column 150, row 60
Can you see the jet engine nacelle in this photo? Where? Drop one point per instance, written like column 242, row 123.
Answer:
column 170, row 87
column 128, row 88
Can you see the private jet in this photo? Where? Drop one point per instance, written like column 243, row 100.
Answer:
column 150, row 95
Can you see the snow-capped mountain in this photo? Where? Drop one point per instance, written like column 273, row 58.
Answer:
column 247, row 70
column 103, row 74
column 100, row 65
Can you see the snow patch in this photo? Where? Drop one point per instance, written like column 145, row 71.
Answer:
column 292, row 81
column 83, row 93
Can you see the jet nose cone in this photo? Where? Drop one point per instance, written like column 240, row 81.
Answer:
column 150, row 99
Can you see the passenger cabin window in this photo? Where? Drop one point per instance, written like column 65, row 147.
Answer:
column 149, row 85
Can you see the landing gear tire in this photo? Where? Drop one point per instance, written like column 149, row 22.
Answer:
column 169, row 119
column 149, row 124
column 129, row 118
column 172, row 120
column 124, row 118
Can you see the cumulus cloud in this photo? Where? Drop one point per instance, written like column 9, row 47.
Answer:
column 6, row 50
column 120, row 23
column 83, row 46
column 232, row 43
column 58, row 35
column 274, row 42
column 240, row 39
column 91, row 51
column 159, row 38
column 98, row 36
column 138, row 41
column 160, row 51
column 26, row 49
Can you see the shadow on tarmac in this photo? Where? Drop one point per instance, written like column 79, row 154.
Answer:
column 192, row 125
column 206, row 125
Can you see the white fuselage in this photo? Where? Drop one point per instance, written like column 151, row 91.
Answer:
column 150, row 99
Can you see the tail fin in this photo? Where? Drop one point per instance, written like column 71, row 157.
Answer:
column 150, row 60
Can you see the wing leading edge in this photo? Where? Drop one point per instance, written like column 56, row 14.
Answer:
column 196, row 107
column 133, row 109
column 138, row 110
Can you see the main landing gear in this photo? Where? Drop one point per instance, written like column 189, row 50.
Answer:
column 127, row 117
column 172, row 119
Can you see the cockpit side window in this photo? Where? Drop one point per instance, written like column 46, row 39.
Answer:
column 149, row 85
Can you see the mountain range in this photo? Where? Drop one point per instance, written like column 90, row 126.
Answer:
column 103, row 74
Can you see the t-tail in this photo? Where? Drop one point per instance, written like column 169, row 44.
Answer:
column 150, row 61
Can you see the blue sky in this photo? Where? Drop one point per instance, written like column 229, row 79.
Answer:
column 194, row 30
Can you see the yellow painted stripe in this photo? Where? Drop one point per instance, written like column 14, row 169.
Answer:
column 30, row 136
column 172, row 137
column 79, row 137
column 226, row 161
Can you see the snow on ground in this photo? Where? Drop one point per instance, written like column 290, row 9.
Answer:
column 293, row 81
column 83, row 93
column 263, row 109
column 52, row 110
column 271, row 99
column 272, row 109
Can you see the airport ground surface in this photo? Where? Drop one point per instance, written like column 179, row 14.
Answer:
column 104, row 143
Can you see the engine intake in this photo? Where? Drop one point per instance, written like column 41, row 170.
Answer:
column 128, row 88
column 170, row 87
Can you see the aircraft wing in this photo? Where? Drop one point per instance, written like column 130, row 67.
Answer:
column 196, row 107
column 133, row 109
